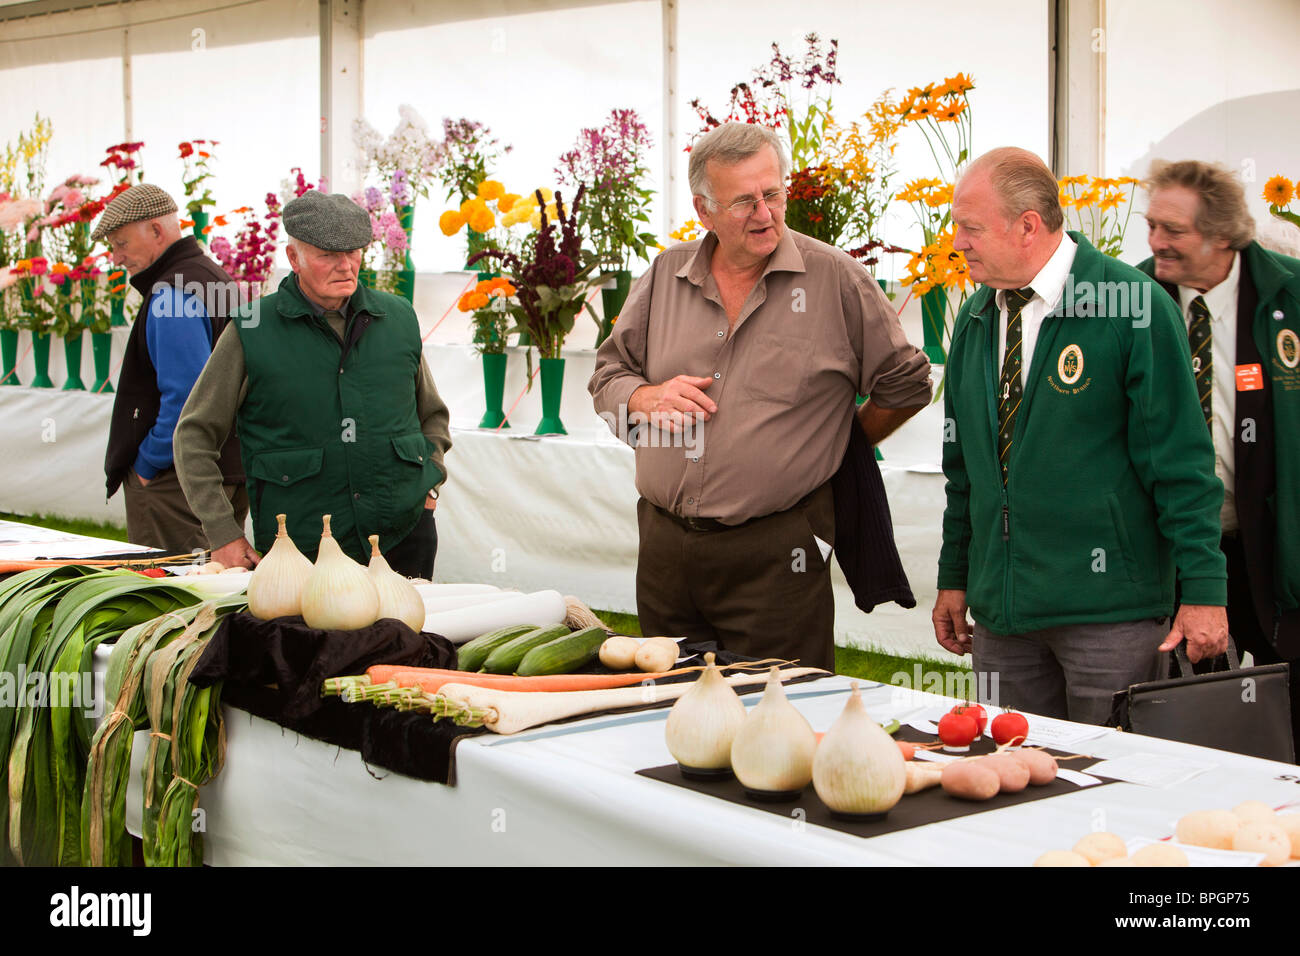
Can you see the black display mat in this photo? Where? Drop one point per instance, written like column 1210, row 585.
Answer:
column 914, row 810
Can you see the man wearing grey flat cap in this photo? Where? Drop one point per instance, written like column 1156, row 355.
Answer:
column 335, row 408
column 187, row 298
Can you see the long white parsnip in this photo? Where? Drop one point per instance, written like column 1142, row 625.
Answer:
column 509, row 712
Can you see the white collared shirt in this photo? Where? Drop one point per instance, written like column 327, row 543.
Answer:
column 1049, row 287
column 1222, row 303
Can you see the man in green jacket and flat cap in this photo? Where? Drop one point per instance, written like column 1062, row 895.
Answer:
column 336, row 410
column 1080, row 472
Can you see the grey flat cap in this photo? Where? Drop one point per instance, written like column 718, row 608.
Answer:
column 136, row 204
column 331, row 222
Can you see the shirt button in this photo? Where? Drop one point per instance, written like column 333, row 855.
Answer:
column 340, row 371
column 284, row 477
column 717, row 375
column 722, row 335
column 694, row 459
column 690, row 501
column 1278, row 315
column 356, row 495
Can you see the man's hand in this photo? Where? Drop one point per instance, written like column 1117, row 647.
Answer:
column 238, row 554
column 1205, row 626
column 951, row 629
column 430, row 503
column 144, row 482
column 668, row 405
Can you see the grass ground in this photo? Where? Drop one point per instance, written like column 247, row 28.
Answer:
column 851, row 661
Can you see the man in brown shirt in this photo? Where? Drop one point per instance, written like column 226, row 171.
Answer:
column 733, row 370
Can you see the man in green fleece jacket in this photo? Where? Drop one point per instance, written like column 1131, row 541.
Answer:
column 1241, row 307
column 1080, row 473
column 336, row 411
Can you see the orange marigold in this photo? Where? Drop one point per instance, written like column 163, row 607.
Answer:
column 481, row 220
column 490, row 189
column 450, row 222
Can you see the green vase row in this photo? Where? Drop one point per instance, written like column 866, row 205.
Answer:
column 101, row 344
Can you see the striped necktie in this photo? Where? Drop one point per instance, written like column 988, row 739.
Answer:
column 1199, row 338
column 1010, row 388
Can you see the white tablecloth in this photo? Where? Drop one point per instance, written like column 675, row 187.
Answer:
column 569, row 794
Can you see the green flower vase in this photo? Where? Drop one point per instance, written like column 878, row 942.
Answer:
column 41, row 358
column 72, row 362
column 934, row 307
column 9, row 356
column 406, row 275
column 611, row 301
column 201, row 220
column 101, row 347
column 494, row 386
column 552, row 387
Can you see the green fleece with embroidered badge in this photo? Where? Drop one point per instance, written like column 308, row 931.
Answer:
column 1275, row 328
column 328, row 432
column 1111, row 483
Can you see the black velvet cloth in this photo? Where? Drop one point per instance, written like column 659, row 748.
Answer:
column 275, row 669
column 864, row 531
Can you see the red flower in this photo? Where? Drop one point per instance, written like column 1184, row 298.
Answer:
column 187, row 149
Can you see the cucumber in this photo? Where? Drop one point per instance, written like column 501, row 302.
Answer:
column 564, row 654
column 507, row 656
column 471, row 656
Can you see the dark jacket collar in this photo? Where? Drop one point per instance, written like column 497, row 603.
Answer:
column 166, row 265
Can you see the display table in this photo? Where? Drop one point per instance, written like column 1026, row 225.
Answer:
column 570, row 794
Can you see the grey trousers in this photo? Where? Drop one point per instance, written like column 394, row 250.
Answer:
column 1069, row 672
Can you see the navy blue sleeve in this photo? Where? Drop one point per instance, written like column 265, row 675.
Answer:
column 179, row 337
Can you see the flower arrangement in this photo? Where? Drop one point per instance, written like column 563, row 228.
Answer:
column 492, row 213
column 408, row 150
column 196, row 155
column 611, row 159
column 386, row 256
column 1091, row 206
column 22, row 180
column 770, row 99
column 688, row 231
column 942, row 113
column 1278, row 193
column 490, row 303
column 551, row 279
column 250, row 259
column 470, row 152
column 122, row 158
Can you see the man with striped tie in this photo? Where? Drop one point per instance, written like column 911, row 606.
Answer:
column 1241, row 304
column 1080, row 473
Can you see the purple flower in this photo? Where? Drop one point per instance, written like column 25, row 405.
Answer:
column 374, row 199
column 400, row 190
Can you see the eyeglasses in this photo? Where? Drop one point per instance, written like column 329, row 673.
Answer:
column 775, row 202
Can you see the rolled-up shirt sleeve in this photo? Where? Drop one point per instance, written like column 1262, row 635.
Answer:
column 895, row 373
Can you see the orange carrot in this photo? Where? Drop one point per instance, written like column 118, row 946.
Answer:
column 431, row 682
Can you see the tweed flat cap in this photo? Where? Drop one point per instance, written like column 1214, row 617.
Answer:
column 331, row 222
column 137, row 203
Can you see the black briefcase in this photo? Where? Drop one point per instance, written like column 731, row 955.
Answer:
column 1246, row 710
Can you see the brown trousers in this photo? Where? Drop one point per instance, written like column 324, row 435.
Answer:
column 760, row 589
column 158, row 515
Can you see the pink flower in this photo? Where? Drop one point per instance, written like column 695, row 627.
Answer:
column 395, row 239
column 388, row 219
column 74, row 198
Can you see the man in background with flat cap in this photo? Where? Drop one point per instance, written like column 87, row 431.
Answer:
column 186, row 299
column 335, row 408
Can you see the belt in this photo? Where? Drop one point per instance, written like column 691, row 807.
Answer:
column 713, row 524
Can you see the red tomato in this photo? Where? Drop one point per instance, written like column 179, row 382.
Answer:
column 976, row 711
column 153, row 573
column 957, row 730
column 1009, row 727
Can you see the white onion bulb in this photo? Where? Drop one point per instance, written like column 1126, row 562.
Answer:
column 338, row 595
column 275, row 588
